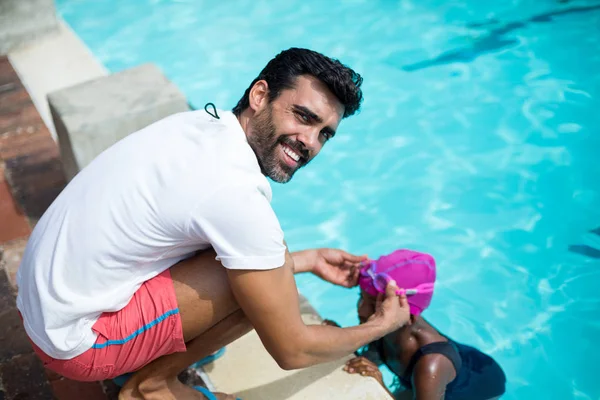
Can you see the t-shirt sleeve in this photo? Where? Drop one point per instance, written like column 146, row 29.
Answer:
column 240, row 224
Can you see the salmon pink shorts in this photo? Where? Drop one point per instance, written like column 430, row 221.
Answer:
column 147, row 328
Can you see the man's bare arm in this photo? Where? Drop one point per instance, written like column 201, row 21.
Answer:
column 302, row 261
column 270, row 301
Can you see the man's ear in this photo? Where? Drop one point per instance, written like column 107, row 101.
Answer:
column 259, row 95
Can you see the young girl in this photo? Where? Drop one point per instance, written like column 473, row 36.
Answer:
column 424, row 360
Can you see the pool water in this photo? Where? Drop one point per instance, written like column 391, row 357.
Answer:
column 478, row 142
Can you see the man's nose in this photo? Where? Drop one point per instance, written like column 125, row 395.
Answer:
column 310, row 139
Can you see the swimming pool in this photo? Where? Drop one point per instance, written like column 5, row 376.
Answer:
column 478, row 142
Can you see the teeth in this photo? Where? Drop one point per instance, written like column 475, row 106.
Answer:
column 295, row 156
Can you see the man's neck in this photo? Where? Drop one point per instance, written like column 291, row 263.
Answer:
column 244, row 120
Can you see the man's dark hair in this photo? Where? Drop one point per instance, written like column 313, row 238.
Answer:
column 281, row 73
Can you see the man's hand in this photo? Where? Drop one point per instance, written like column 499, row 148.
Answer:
column 332, row 265
column 391, row 310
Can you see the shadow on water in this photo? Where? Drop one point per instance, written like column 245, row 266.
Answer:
column 586, row 250
column 494, row 40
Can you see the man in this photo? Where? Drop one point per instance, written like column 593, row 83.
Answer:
column 165, row 248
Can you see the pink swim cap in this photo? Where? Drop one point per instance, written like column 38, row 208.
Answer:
column 410, row 269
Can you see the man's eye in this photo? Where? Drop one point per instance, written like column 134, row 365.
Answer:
column 303, row 117
column 326, row 135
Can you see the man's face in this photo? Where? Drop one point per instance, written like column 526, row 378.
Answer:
column 287, row 133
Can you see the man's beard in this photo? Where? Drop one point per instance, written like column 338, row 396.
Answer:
column 265, row 142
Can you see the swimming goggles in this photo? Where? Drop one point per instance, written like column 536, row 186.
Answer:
column 381, row 279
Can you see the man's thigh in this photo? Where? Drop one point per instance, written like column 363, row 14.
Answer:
column 203, row 293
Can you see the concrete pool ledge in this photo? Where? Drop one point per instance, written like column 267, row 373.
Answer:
column 24, row 22
column 55, row 61
column 248, row 371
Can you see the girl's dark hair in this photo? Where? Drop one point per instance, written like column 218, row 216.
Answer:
column 281, row 73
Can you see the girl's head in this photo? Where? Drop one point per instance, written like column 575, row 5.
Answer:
column 412, row 271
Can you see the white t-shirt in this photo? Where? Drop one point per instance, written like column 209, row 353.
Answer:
column 184, row 183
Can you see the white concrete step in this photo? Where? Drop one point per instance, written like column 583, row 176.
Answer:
column 55, row 61
column 248, row 371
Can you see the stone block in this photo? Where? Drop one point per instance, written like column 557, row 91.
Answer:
column 92, row 116
column 21, row 22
